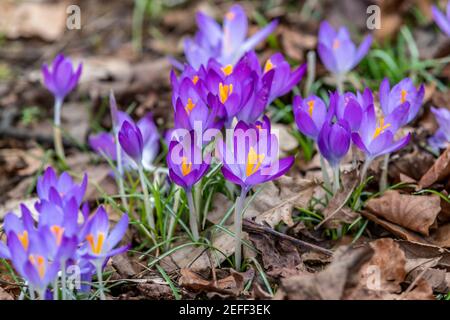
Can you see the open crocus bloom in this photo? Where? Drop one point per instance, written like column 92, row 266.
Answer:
column 63, row 185
column 252, row 156
column 441, row 19
column 337, row 51
column 100, row 242
column 441, row 138
column 186, row 163
column 227, row 44
column 402, row 92
column 376, row 136
column 61, row 78
column 310, row 115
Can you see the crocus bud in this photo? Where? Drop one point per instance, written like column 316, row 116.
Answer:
column 61, row 78
column 131, row 141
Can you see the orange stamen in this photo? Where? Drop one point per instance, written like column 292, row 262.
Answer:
column 254, row 161
column 186, row 167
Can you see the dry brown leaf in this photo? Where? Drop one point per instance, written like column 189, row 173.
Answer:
column 277, row 199
column 5, row 295
column 233, row 284
column 417, row 213
column 32, row 19
column 280, row 257
column 330, row 283
column 438, row 172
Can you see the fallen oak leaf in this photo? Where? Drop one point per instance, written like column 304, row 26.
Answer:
column 438, row 172
column 417, row 213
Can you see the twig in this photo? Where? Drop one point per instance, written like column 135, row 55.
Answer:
column 256, row 228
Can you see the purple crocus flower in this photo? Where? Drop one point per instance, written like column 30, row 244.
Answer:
column 131, row 141
column 227, row 44
column 100, row 242
column 250, row 158
column 35, row 264
column 186, row 163
column 61, row 78
column 334, row 141
column 104, row 143
column 253, row 157
column 348, row 108
column 310, row 115
column 443, row 21
column 337, row 51
column 441, row 138
column 402, row 92
column 283, row 79
column 376, row 136
column 62, row 189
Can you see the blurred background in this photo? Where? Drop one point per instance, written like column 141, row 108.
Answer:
column 125, row 45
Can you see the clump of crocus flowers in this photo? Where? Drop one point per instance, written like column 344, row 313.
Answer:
column 61, row 239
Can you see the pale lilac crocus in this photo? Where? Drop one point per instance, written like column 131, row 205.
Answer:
column 441, row 138
column 225, row 43
column 338, row 52
column 441, row 19
column 60, row 79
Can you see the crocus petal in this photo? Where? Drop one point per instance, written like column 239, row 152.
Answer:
column 362, row 49
column 384, row 95
column 118, row 232
column 259, row 36
column 327, row 58
column 441, row 20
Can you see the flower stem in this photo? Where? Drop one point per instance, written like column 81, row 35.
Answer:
column 100, row 281
column 192, row 215
column 364, row 169
column 148, row 211
column 55, row 289
column 238, row 213
column 31, row 291
column 57, row 137
column 384, row 172
column 336, row 182
column 63, row 281
column 340, row 82
column 119, row 179
column 325, row 176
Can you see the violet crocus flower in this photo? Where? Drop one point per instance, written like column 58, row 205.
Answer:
column 441, row 138
column 338, row 52
column 104, row 143
column 402, row 92
column 442, row 20
column 60, row 79
column 348, row 108
column 227, row 44
column 376, row 136
column 250, row 158
column 187, row 165
column 60, row 189
column 101, row 242
column 310, row 115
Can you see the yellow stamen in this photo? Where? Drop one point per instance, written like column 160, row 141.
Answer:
column 190, row 106
column 404, row 93
column 336, row 44
column 39, row 263
column 254, row 161
column 58, row 231
column 225, row 91
column 186, row 167
column 259, row 126
column 381, row 127
column 230, row 15
column 195, row 79
column 96, row 247
column 268, row 66
column 24, row 239
column 311, row 107
column 228, row 69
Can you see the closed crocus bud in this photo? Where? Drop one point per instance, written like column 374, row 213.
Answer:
column 61, row 77
column 334, row 141
column 442, row 20
column 349, row 109
column 131, row 141
column 337, row 50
